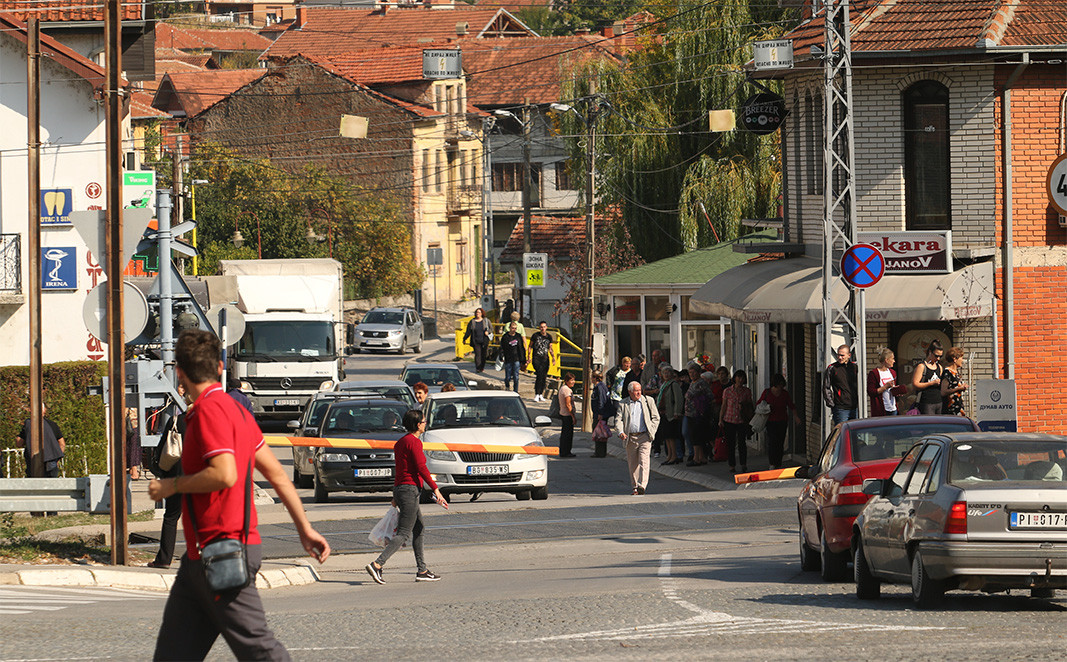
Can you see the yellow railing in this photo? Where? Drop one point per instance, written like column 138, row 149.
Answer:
column 564, row 352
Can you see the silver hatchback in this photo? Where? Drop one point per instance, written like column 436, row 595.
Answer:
column 391, row 330
column 976, row 511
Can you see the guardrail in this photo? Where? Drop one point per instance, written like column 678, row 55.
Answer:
column 90, row 494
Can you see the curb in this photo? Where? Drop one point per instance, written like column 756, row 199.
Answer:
column 617, row 449
column 288, row 574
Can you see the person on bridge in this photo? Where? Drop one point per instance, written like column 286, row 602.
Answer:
column 220, row 446
column 636, row 424
column 409, row 475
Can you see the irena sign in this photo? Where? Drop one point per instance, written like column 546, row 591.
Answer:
column 912, row 252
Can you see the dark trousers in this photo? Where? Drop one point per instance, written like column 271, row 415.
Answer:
column 194, row 618
column 566, row 435
column 776, row 431
column 408, row 525
column 931, row 408
column 540, row 364
column 480, row 350
column 172, row 512
column 735, row 441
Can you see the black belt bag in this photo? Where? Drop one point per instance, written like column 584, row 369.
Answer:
column 225, row 560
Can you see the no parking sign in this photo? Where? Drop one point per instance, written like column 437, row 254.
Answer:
column 862, row 265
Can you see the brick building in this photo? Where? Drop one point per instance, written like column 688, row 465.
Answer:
column 932, row 86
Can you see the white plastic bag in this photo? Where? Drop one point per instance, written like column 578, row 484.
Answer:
column 385, row 529
column 759, row 419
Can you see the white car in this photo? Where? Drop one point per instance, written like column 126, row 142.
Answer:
column 487, row 418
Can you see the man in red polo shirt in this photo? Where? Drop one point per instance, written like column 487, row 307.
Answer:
column 221, row 441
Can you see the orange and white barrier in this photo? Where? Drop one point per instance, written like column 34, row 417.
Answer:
column 379, row 444
column 770, row 474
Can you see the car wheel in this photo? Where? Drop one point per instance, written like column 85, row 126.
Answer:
column 523, row 495
column 403, row 346
column 1043, row 593
column 418, row 346
column 321, row 495
column 867, row 586
column 539, row 493
column 834, row 565
column 809, row 560
column 924, row 590
column 299, row 479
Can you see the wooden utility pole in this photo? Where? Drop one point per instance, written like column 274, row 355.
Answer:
column 527, row 195
column 116, row 345
column 33, row 141
column 591, row 109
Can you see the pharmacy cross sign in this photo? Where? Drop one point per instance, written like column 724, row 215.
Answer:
column 862, row 265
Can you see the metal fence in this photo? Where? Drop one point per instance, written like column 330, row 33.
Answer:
column 11, row 263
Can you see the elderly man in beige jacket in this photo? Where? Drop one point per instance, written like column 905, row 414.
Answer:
column 636, row 424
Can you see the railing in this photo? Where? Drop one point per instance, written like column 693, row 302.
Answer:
column 11, row 263
column 464, row 197
column 566, row 355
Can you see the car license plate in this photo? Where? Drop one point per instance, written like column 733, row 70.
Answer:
column 287, row 402
column 487, row 470
column 374, row 473
column 1039, row 520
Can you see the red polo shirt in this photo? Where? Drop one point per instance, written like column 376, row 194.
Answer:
column 217, row 424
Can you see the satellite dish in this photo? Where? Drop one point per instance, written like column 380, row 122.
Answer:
column 134, row 312
column 235, row 321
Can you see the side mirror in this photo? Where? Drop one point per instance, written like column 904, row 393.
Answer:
column 542, row 421
column 803, row 472
column 874, row 487
column 472, row 384
column 350, row 334
column 292, row 425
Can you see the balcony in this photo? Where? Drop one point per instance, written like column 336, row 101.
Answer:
column 465, row 197
column 11, row 270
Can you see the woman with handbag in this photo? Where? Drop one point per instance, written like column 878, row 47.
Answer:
column 479, row 334
column 926, row 378
column 736, row 404
column 777, row 419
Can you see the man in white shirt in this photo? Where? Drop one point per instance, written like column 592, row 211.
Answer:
column 636, row 425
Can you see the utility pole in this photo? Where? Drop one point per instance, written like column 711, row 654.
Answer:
column 527, row 194
column 176, row 186
column 839, row 220
column 33, row 140
column 116, row 346
column 592, row 108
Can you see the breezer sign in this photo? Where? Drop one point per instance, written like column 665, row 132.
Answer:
column 912, row 252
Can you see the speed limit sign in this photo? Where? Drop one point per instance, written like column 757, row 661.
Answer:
column 1057, row 184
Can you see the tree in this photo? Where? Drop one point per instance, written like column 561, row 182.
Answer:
column 296, row 215
column 567, row 16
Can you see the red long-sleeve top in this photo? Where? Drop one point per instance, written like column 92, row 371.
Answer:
column 411, row 463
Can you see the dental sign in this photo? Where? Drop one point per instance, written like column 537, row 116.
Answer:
column 56, row 205
column 59, row 268
column 912, row 252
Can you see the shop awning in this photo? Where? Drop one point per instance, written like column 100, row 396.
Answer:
column 791, row 291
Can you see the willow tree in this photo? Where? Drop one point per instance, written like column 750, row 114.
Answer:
column 657, row 161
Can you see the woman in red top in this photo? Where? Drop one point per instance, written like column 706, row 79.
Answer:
column 410, row 473
column 778, row 420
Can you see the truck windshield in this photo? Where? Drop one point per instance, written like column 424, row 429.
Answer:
column 287, row 341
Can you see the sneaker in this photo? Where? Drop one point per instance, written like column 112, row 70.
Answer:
column 426, row 576
column 635, row 492
column 640, row 491
column 375, row 573
column 656, row 454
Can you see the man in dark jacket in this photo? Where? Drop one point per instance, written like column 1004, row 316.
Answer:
column 841, row 386
column 513, row 350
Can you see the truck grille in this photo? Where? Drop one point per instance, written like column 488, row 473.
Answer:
column 463, row 479
column 485, row 457
column 275, row 383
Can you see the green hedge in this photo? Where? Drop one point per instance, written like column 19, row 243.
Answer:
column 79, row 416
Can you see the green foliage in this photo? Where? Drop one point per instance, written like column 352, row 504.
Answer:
column 687, row 65
column 297, row 215
column 79, row 416
column 566, row 16
column 614, row 251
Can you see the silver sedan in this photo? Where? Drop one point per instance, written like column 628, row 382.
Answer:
column 975, row 511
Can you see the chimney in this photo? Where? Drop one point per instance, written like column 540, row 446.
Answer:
column 301, row 16
column 582, row 31
column 608, row 32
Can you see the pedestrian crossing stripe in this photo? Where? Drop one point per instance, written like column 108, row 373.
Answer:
column 20, row 600
column 380, row 444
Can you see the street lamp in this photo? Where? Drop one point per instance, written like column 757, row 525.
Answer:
column 238, row 238
column 313, row 237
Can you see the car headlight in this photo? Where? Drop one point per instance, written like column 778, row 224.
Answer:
column 439, row 478
column 447, row 456
column 326, row 385
column 336, row 457
column 360, row 332
column 535, row 475
column 395, row 332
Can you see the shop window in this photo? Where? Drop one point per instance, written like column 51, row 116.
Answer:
column 658, row 337
column 656, row 308
column 688, row 314
column 926, row 157
column 627, row 341
column 627, row 309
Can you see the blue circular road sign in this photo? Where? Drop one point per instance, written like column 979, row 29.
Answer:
column 862, row 265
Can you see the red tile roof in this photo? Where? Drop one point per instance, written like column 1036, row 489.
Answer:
column 194, row 92
column 66, row 10
column 200, row 39
column 60, row 54
column 510, row 71
column 376, row 66
column 328, row 30
column 549, row 234
column 141, row 106
column 348, row 73
column 921, row 25
column 194, row 60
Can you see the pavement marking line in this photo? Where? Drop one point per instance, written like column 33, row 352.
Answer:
column 706, row 622
column 21, row 600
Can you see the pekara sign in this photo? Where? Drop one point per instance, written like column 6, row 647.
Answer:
column 912, row 252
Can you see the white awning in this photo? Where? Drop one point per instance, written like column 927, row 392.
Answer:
column 791, row 291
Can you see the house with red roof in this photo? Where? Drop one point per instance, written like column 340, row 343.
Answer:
column 227, row 47
column 73, row 178
column 958, row 117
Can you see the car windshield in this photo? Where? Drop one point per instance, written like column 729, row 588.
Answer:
column 391, row 392
column 891, row 441
column 286, row 340
column 1002, row 460
column 477, row 412
column 383, row 317
column 364, row 417
column 433, row 376
column 318, row 408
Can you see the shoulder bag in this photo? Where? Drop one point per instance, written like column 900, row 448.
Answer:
column 171, row 452
column 225, row 560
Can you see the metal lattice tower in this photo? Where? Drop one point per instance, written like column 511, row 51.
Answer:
column 839, row 220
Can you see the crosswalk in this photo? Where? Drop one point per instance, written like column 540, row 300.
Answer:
column 19, row 600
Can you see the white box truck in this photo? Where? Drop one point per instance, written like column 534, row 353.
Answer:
column 295, row 335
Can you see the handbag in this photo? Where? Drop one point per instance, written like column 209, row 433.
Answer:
column 225, row 560
column 601, row 431
column 499, row 363
column 385, row 529
column 172, row 449
column 758, row 422
column 553, row 409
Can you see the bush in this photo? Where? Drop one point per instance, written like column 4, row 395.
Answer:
column 79, row 416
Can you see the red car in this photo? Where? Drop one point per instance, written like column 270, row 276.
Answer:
column 855, row 452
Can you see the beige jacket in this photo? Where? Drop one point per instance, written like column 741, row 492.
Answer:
column 649, row 411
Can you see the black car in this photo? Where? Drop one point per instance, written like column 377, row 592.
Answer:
column 357, row 469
